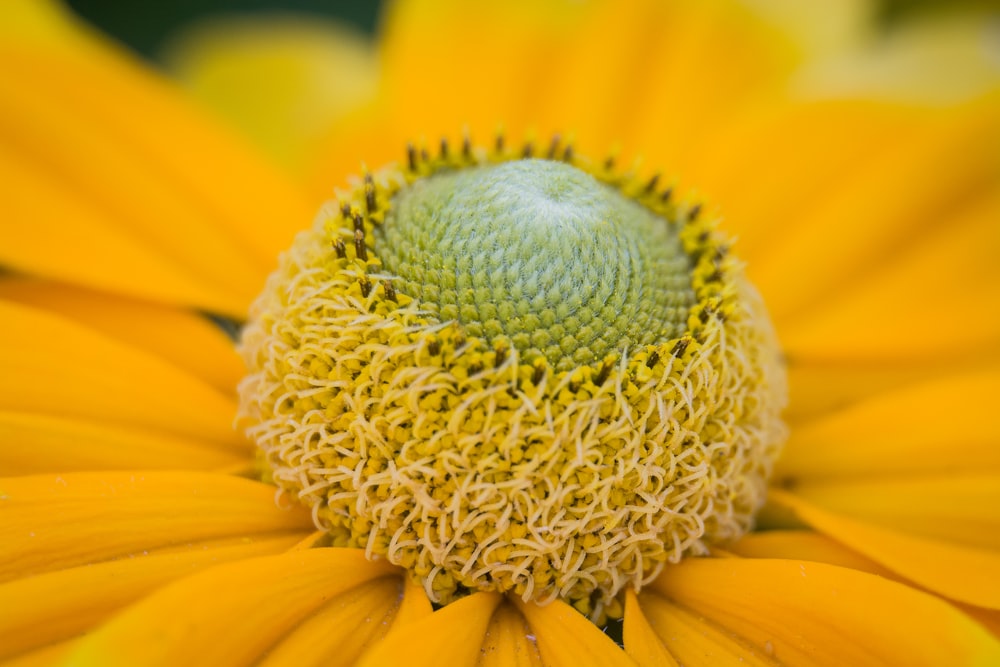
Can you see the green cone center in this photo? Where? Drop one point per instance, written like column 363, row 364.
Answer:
column 540, row 253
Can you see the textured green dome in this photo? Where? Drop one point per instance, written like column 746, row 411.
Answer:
column 542, row 253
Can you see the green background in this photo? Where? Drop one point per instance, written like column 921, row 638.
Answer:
column 145, row 25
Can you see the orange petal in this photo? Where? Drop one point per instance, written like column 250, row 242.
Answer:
column 53, row 365
column 451, row 636
column 509, row 641
column 501, row 73
column 43, row 657
column 60, row 605
column 949, row 277
column 800, row 613
column 58, row 521
column 695, row 641
column 880, row 436
column 804, row 545
column 566, row 638
column 231, row 614
column 807, row 545
column 880, row 206
column 342, row 630
column 187, row 340
column 641, row 640
column 115, row 182
column 958, row 508
column 816, row 389
column 43, row 443
column 769, row 166
column 965, row 574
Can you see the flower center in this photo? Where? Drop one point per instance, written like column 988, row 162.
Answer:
column 537, row 377
column 541, row 253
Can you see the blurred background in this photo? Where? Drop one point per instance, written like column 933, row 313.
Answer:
column 146, row 26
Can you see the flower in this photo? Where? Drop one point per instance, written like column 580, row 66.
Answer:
column 133, row 529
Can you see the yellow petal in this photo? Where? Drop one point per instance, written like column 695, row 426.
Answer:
column 816, row 389
column 769, row 166
column 508, row 641
column 804, row 545
column 43, row 657
column 939, row 427
column 940, row 58
column 114, row 182
column 497, row 77
column 36, row 443
column 46, row 22
column 694, row 641
column 800, row 613
column 565, row 638
column 60, row 605
column 187, row 340
column 962, row 573
column 641, row 641
column 881, row 205
column 415, row 604
column 820, row 28
column 52, row 365
column 563, row 66
column 58, row 521
column 340, row 631
column 231, row 614
column 949, row 276
column 958, row 508
column 282, row 80
column 740, row 57
column 450, row 636
column 807, row 545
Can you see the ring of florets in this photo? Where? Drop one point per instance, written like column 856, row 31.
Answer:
column 476, row 468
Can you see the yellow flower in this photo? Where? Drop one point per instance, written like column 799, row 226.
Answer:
column 133, row 528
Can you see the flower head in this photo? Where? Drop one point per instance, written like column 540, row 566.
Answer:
column 505, row 374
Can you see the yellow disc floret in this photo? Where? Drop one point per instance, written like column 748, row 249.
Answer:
column 529, row 376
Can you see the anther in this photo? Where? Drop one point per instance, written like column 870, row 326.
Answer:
column 651, row 186
column 345, row 210
column 444, row 148
column 667, row 194
column 424, row 155
column 568, row 153
column 390, row 291
column 693, row 213
column 528, row 150
column 680, row 348
column 498, row 144
column 434, row 347
column 466, row 147
column 654, row 357
column 365, row 285
column 553, row 147
column 609, row 163
column 604, row 372
column 501, row 352
column 359, row 245
column 369, row 193
column 411, row 157
column 538, row 373
column 339, row 248
column 359, row 223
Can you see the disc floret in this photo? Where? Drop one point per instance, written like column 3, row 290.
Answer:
column 538, row 377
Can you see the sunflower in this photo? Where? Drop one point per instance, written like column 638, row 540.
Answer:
column 140, row 528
